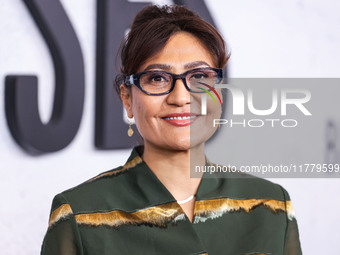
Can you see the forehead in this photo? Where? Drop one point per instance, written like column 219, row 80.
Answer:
column 181, row 49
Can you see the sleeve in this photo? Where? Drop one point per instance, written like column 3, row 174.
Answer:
column 62, row 236
column 292, row 244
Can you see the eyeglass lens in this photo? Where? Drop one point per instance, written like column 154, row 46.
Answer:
column 157, row 82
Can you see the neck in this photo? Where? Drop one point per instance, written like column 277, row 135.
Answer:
column 177, row 162
column 173, row 168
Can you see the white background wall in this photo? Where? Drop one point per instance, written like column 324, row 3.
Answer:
column 294, row 38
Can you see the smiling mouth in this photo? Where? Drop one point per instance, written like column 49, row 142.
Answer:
column 181, row 118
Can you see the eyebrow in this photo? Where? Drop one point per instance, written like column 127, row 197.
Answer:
column 158, row 66
column 166, row 67
column 195, row 64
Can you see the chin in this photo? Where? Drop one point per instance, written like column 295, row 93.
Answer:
column 190, row 143
column 181, row 145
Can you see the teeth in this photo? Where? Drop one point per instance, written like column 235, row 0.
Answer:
column 181, row 118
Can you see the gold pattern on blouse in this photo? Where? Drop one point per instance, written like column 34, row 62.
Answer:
column 214, row 208
column 60, row 213
column 161, row 215
column 158, row 216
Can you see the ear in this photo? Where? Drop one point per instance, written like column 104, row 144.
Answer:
column 125, row 95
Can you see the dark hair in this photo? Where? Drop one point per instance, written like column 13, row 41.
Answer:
column 152, row 28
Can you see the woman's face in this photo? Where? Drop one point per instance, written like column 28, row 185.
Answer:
column 152, row 114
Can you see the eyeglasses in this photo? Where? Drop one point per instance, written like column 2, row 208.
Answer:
column 158, row 83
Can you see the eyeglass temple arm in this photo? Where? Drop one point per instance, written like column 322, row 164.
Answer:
column 129, row 80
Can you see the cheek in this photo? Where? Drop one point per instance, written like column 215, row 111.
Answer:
column 139, row 112
column 141, row 120
column 139, row 104
column 214, row 108
column 195, row 102
column 213, row 112
column 146, row 109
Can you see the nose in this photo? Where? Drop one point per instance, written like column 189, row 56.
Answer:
column 179, row 95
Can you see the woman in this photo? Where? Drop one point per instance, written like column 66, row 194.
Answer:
column 151, row 205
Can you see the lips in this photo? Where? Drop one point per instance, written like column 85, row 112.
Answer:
column 180, row 119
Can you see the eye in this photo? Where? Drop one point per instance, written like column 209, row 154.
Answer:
column 157, row 78
column 198, row 76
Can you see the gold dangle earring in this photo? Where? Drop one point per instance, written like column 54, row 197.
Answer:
column 130, row 130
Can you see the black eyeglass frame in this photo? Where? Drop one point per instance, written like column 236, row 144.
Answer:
column 135, row 79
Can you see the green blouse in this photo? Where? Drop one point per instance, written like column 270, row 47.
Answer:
column 127, row 210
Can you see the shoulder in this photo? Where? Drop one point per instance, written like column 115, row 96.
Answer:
column 251, row 186
column 101, row 192
column 262, row 188
column 243, row 185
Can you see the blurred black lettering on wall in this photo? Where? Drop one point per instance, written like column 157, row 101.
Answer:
column 113, row 20
column 21, row 93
